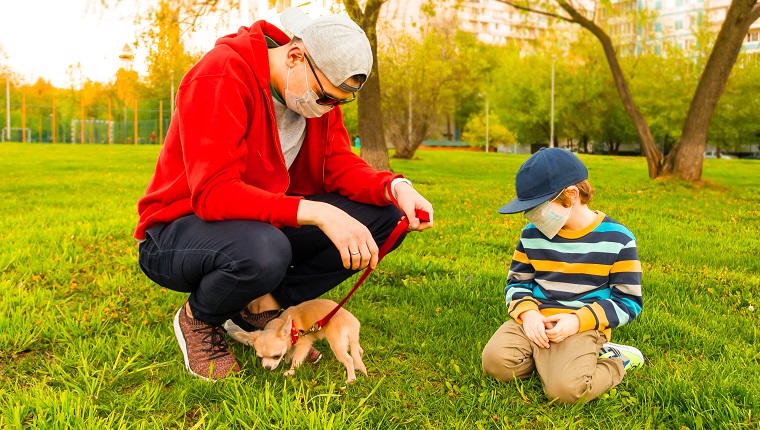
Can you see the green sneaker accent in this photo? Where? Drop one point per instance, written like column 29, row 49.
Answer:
column 632, row 357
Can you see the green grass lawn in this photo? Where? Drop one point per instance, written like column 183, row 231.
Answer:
column 86, row 339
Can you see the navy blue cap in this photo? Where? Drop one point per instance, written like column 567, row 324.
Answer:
column 543, row 176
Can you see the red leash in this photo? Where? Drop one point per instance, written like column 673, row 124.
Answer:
column 392, row 239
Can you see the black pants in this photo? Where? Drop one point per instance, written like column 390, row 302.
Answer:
column 224, row 265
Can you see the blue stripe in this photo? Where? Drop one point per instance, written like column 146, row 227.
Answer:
column 630, row 304
column 606, row 227
column 598, row 295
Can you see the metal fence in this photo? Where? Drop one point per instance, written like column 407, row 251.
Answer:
column 102, row 122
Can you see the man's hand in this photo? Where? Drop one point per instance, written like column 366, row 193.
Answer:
column 409, row 200
column 564, row 326
column 354, row 241
column 533, row 326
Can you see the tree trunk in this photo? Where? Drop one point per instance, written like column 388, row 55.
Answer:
column 371, row 130
column 686, row 158
column 654, row 156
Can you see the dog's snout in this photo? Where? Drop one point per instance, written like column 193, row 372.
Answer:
column 268, row 367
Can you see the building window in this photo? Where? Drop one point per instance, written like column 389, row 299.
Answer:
column 658, row 5
column 679, row 24
column 658, row 27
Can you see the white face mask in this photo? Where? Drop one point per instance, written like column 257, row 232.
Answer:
column 546, row 220
column 306, row 105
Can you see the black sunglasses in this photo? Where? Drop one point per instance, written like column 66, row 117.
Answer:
column 327, row 100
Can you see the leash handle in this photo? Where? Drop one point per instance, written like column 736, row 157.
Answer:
column 385, row 249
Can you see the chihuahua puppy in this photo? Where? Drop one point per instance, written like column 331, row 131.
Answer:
column 275, row 342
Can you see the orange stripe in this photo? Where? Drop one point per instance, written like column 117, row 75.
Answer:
column 626, row 266
column 521, row 257
column 575, row 268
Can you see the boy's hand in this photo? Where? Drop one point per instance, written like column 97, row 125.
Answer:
column 565, row 325
column 533, row 326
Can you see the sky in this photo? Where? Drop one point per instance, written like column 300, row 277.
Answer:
column 41, row 38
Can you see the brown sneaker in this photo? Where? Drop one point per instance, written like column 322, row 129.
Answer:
column 313, row 356
column 204, row 347
column 248, row 321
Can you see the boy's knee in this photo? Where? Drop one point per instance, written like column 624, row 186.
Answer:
column 568, row 390
column 497, row 364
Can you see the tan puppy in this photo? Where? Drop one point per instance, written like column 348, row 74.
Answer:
column 275, row 342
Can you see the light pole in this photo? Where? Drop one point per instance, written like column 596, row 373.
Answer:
column 127, row 59
column 8, row 107
column 171, row 112
column 551, row 136
column 486, row 97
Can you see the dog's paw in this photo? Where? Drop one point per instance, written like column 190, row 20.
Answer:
column 289, row 372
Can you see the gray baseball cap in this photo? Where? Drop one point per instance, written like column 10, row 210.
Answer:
column 338, row 46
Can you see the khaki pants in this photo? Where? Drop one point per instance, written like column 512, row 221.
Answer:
column 570, row 371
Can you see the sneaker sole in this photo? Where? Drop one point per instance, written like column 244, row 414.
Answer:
column 183, row 347
column 630, row 349
column 315, row 361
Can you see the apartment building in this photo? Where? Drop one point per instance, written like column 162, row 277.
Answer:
column 490, row 21
column 638, row 26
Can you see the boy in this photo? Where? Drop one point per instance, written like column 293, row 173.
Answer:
column 575, row 275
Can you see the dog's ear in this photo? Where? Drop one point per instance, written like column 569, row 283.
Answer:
column 253, row 336
column 285, row 329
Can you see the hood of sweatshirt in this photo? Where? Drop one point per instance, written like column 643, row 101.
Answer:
column 250, row 43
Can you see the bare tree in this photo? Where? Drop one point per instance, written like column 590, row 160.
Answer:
column 685, row 160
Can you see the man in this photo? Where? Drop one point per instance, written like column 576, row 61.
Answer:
column 257, row 197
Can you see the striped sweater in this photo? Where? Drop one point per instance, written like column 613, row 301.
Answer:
column 594, row 273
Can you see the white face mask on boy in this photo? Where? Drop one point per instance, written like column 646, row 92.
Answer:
column 306, row 105
column 546, row 220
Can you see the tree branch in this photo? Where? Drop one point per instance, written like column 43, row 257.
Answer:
column 754, row 14
column 539, row 12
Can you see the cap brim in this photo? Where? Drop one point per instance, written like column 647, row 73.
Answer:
column 517, row 205
column 294, row 20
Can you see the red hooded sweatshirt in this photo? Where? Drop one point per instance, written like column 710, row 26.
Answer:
column 222, row 157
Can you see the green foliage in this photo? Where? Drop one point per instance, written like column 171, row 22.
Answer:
column 86, row 339
column 475, row 132
column 416, row 78
column 162, row 36
column 429, row 74
column 351, row 118
column 737, row 118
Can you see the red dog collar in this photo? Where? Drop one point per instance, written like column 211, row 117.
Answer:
column 293, row 334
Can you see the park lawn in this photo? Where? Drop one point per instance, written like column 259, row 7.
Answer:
column 86, row 339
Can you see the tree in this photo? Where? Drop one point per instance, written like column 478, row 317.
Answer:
column 419, row 84
column 166, row 50
column 371, row 129
column 475, row 132
column 737, row 117
column 189, row 12
column 685, row 160
column 522, row 104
